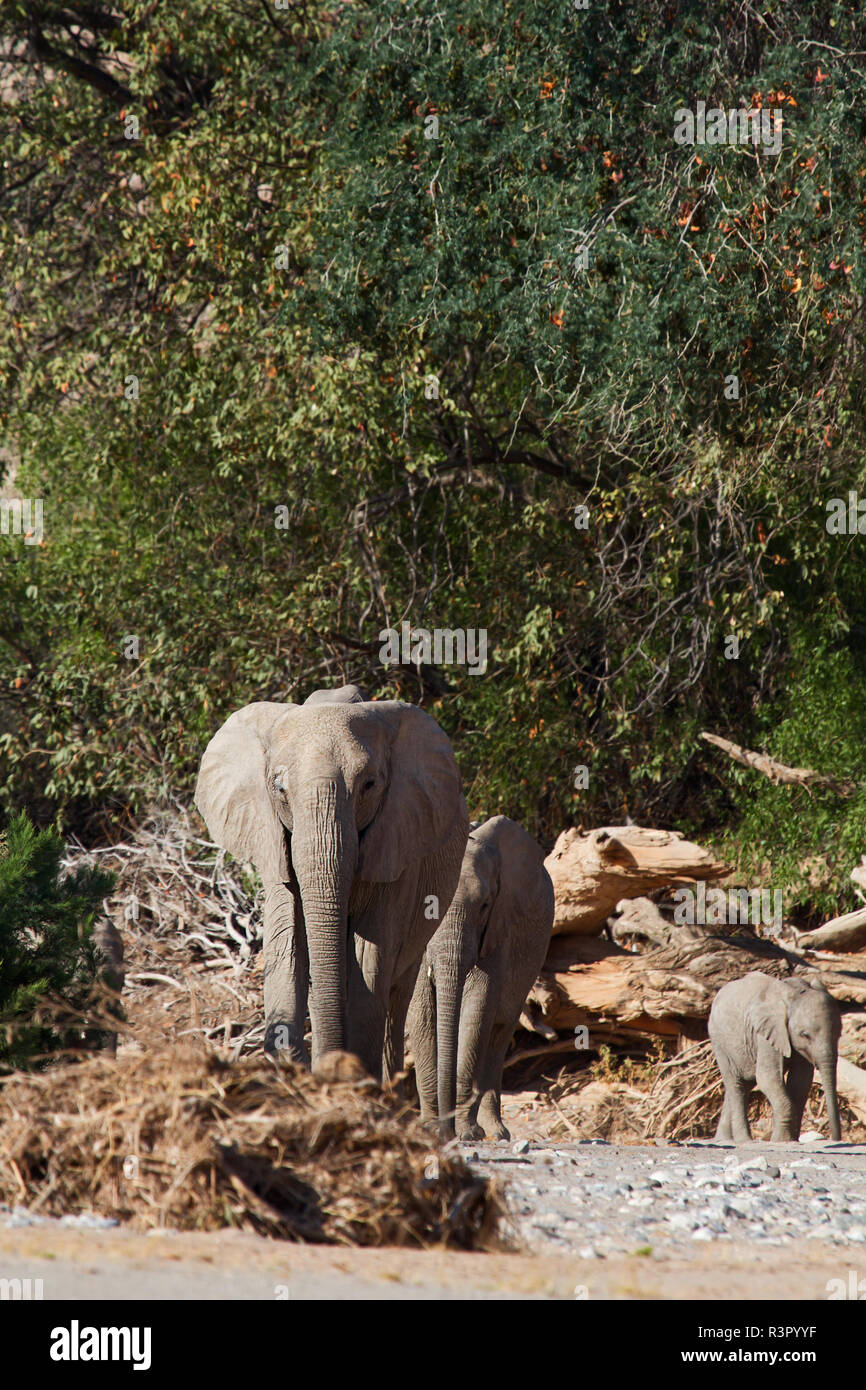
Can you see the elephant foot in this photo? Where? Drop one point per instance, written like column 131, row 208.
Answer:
column 289, row 1056
column 280, row 1045
column 471, row 1134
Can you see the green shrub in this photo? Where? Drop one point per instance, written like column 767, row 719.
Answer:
column 47, row 957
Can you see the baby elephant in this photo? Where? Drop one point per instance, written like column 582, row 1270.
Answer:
column 773, row 1033
column 477, row 971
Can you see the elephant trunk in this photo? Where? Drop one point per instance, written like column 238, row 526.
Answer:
column 451, row 969
column 324, row 854
column 827, row 1072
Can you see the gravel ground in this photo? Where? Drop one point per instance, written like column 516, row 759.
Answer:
column 595, row 1199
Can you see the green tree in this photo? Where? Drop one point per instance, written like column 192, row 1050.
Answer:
column 47, row 958
column 240, row 277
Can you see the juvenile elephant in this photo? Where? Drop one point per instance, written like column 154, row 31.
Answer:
column 477, row 971
column 353, row 814
column 772, row 1034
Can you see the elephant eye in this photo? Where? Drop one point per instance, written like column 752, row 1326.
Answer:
column 371, row 782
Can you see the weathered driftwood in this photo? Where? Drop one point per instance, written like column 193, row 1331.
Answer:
column 638, row 918
column 592, row 872
column 778, row 773
column 853, row 1041
column 847, row 933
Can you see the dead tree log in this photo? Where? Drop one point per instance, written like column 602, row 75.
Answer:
column 851, row 1084
column 592, row 872
column 846, row 933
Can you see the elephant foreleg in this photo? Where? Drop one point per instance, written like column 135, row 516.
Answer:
column 769, row 1078
column 287, row 973
column 798, row 1083
column 376, row 930
column 724, row 1130
column 422, row 1036
column 368, row 1005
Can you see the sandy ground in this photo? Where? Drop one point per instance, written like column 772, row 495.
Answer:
column 229, row 1265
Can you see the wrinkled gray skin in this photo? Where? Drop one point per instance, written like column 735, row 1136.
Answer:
column 353, row 814
column 772, row 1034
column 477, row 971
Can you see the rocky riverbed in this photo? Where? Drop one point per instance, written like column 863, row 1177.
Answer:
column 594, row 1199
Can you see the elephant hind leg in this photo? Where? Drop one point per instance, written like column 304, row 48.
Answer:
column 734, row 1111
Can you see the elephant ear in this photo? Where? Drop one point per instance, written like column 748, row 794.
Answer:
column 525, row 890
column 770, row 1021
column 423, row 798
column 232, row 789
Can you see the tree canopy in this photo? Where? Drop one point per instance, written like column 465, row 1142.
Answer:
column 325, row 318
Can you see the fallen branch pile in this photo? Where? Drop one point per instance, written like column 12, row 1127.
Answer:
column 180, row 1137
column 189, row 922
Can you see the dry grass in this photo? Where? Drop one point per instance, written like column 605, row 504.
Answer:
column 181, row 1137
column 685, row 1100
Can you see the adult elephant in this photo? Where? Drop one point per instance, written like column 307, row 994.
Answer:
column 352, row 812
